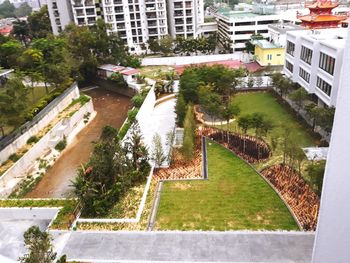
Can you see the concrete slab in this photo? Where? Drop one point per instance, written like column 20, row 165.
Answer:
column 281, row 247
column 11, row 233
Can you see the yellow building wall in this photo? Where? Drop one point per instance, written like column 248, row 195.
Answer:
column 269, row 56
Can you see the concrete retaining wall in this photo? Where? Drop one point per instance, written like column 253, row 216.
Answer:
column 60, row 104
column 27, row 213
column 186, row 60
column 64, row 128
column 111, row 86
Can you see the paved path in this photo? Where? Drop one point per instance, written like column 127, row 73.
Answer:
column 190, row 246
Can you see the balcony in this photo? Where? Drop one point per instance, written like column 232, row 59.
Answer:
column 177, row 5
column 152, row 23
column 89, row 3
column 179, row 21
column 178, row 13
column 118, row 2
column 188, row 13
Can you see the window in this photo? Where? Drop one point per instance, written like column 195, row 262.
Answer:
column 304, row 75
column 269, row 57
column 289, row 66
column 306, row 55
column 290, row 48
column 327, row 63
column 324, row 86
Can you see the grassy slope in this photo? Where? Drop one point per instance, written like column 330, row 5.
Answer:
column 266, row 103
column 234, row 197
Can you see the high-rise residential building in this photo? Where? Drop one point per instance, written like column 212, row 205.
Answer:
column 85, row 12
column 136, row 21
column 184, row 17
column 314, row 59
column 60, row 13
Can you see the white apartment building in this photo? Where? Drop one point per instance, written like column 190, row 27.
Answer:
column 314, row 59
column 136, row 21
column 185, row 17
column 60, row 13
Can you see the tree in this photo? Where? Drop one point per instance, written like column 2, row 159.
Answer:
column 180, row 110
column 244, row 123
column 250, row 82
column 166, row 45
column 315, row 172
column 7, row 9
column 13, row 103
column 157, row 152
column 286, row 141
column 259, row 81
column 153, row 45
column 39, row 247
column 170, row 137
column 299, row 96
column 282, row 84
column 229, row 111
column 21, row 31
column 323, row 117
column 9, row 53
column 23, row 10
column 249, row 44
column 188, row 146
column 136, row 147
column 39, row 23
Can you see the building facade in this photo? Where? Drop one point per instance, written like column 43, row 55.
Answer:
column 268, row 53
column 136, row 21
column 314, row 60
column 238, row 27
column 60, row 12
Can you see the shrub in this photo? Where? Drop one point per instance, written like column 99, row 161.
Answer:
column 14, row 157
column 61, row 145
column 40, row 105
column 118, row 79
column 132, row 115
column 32, row 139
column 83, row 99
column 137, row 100
column 124, row 130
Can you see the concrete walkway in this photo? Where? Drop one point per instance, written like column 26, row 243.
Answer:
column 189, row 247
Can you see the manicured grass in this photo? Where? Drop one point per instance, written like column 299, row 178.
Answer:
column 235, row 197
column 267, row 103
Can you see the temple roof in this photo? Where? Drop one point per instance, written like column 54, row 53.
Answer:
column 322, row 18
column 322, row 4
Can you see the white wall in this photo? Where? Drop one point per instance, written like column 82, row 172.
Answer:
column 186, row 60
column 22, row 140
column 332, row 240
column 27, row 213
column 64, row 128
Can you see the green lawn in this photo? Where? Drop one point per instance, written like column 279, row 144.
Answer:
column 265, row 102
column 235, row 197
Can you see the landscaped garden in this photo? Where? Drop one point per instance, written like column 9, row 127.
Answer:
column 235, row 197
column 283, row 122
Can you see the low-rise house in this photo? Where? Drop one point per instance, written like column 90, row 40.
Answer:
column 268, row 53
column 107, row 70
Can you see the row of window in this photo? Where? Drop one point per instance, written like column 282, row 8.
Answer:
column 304, row 75
column 306, row 55
column 289, row 66
column 324, row 86
column 326, row 62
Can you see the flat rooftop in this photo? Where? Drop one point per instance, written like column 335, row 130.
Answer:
column 283, row 28
column 238, row 14
column 263, row 43
column 333, row 37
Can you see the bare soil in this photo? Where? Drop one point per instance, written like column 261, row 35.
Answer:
column 111, row 110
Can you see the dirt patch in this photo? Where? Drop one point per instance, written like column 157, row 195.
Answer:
column 111, row 110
